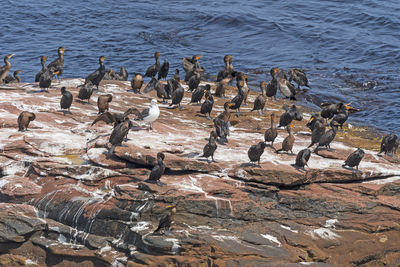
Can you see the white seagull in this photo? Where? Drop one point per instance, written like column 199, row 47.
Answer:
column 150, row 114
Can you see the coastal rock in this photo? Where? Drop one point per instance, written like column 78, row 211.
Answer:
column 78, row 207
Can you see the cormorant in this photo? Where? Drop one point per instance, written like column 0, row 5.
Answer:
column 44, row 68
column 329, row 110
column 118, row 134
column 161, row 92
column 288, row 142
column 177, row 93
column 166, row 220
column 241, row 76
column 222, row 130
column 115, row 118
column 96, row 76
column 259, row 103
column 4, row 70
column 153, row 69
column 354, row 159
column 255, row 152
column 58, row 64
column 45, row 79
column 388, row 144
column 194, row 81
column 272, row 86
column 210, row 147
column 314, row 118
column 197, row 95
column 287, row 89
column 13, row 79
column 299, row 77
column 226, row 114
column 289, row 115
column 189, row 63
column 102, row 102
column 24, row 119
column 271, row 133
column 318, row 130
column 109, row 75
column 327, row 138
column 221, row 88
column 194, row 67
column 238, row 99
column 228, row 69
column 163, row 72
column 207, row 105
column 86, row 91
column 66, row 99
column 342, row 115
column 137, row 83
column 177, row 77
column 151, row 85
column 302, row 158
column 122, row 75
column 158, row 169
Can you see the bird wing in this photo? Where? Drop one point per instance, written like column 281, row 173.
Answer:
column 145, row 113
column 155, row 173
column 107, row 117
column 187, row 64
column 54, row 64
column 150, row 86
column 133, row 111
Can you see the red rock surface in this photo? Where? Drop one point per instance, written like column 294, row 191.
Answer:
column 64, row 202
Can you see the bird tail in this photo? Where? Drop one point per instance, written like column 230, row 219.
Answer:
column 158, row 229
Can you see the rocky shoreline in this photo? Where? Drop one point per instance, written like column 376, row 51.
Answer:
column 63, row 202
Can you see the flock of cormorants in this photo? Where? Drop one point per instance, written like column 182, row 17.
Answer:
column 337, row 113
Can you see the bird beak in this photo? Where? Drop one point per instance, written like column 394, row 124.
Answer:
column 198, row 57
column 170, row 206
column 12, row 55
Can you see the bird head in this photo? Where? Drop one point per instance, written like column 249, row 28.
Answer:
column 102, row 58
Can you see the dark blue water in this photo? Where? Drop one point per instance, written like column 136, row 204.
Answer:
column 350, row 49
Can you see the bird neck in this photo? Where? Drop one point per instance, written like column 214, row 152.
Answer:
column 263, row 91
column 8, row 64
column 272, row 123
column 61, row 57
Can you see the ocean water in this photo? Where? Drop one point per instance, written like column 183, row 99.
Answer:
column 349, row 49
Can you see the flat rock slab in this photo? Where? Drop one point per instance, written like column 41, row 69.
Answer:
column 270, row 174
column 147, row 157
